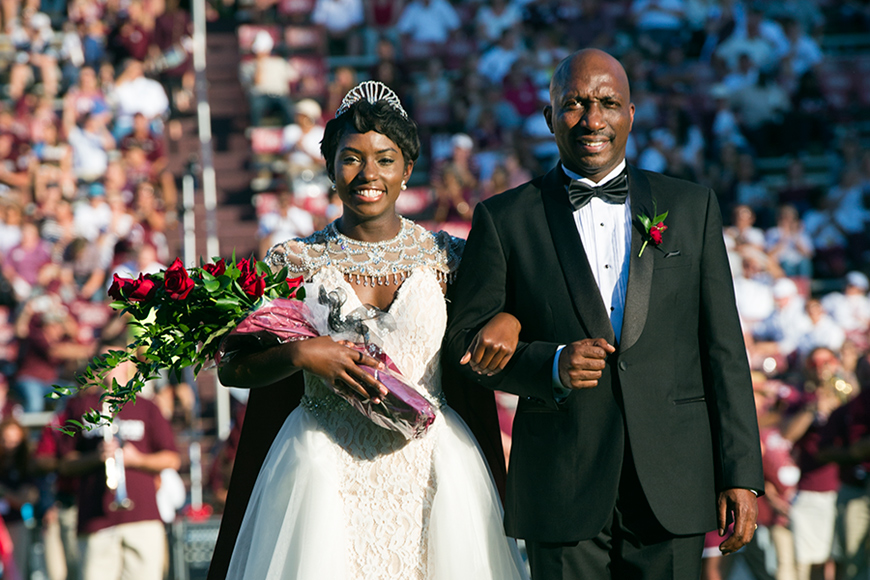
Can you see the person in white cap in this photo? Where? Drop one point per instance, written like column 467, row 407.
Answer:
column 823, row 331
column 268, row 79
column 456, row 182
column 781, row 332
column 302, row 139
column 851, row 307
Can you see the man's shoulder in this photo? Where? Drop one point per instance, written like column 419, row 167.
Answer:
column 666, row 182
column 511, row 200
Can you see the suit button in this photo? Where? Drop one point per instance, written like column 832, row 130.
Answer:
column 623, row 365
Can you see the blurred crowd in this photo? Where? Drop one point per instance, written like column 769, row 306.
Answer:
column 733, row 94
column 740, row 96
column 91, row 93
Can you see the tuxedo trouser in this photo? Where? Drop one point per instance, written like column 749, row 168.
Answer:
column 632, row 546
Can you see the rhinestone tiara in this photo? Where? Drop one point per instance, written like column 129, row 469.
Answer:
column 371, row 91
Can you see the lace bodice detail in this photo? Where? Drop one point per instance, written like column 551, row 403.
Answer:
column 420, row 317
column 386, row 262
column 388, row 484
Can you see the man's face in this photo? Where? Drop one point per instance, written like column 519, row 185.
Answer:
column 590, row 113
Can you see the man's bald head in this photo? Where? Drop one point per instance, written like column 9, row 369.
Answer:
column 590, row 112
column 582, row 59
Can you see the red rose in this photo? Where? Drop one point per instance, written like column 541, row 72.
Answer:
column 656, row 231
column 143, row 289
column 138, row 290
column 177, row 282
column 253, row 284
column 294, row 284
column 216, row 269
column 120, row 287
column 244, row 266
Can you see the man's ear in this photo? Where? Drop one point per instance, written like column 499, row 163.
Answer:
column 548, row 116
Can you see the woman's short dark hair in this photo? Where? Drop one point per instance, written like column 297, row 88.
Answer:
column 363, row 117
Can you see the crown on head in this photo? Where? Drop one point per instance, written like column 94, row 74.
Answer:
column 371, row 91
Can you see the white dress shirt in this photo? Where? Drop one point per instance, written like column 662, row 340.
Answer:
column 606, row 236
column 605, row 231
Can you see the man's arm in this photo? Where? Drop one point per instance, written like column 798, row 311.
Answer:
column 730, row 400
column 477, row 295
column 151, row 462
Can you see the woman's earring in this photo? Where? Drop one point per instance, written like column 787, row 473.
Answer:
column 404, row 186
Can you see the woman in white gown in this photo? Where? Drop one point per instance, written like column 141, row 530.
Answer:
column 339, row 497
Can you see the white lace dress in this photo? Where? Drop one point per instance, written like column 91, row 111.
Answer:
column 340, row 498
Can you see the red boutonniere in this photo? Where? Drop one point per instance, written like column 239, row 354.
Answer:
column 653, row 228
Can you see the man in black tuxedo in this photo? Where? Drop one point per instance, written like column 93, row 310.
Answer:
column 635, row 431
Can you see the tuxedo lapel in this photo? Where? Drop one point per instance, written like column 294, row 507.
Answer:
column 572, row 258
column 640, row 269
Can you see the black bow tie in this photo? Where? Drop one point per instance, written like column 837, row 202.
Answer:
column 614, row 191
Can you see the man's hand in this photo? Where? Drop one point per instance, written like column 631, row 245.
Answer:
column 494, row 345
column 581, row 362
column 743, row 503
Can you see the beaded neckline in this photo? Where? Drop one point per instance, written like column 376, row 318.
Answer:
column 370, row 263
column 333, row 233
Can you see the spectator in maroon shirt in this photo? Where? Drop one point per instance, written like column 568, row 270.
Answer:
column 21, row 266
column 121, row 540
column 170, row 53
column 145, row 139
column 12, row 171
column 814, row 510
column 520, row 91
column 133, row 37
column 155, row 170
column 845, row 442
column 48, row 341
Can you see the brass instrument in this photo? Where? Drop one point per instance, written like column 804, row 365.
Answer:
column 116, row 475
column 836, row 383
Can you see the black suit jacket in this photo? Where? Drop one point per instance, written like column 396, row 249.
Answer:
column 678, row 386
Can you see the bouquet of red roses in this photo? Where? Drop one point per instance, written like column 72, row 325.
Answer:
column 180, row 316
column 183, row 314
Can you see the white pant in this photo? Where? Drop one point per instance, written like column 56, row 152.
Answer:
column 813, row 516
column 134, row 551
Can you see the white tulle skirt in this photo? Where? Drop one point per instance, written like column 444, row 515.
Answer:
column 318, row 512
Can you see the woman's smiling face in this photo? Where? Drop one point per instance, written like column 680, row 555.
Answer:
column 369, row 172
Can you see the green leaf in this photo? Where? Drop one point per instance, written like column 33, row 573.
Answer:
column 660, row 218
column 263, row 268
column 219, row 333
column 212, row 286
column 228, row 304
column 282, row 274
column 645, row 221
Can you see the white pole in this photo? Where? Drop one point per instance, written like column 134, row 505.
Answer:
column 209, row 186
column 189, row 220
column 195, row 476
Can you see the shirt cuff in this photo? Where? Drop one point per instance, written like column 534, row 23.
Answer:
column 560, row 393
